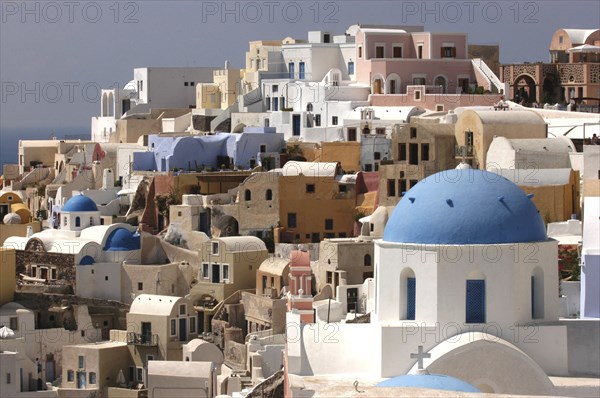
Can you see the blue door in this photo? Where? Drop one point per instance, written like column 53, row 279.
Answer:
column 291, row 66
column 475, row 301
column 275, row 104
column 296, row 124
column 411, row 298
column 301, row 70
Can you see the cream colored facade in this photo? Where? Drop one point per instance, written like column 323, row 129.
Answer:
column 94, row 366
column 8, row 281
column 344, row 262
column 227, row 265
column 421, row 148
column 157, row 327
column 476, row 130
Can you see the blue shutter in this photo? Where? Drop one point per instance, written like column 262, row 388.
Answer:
column 291, row 69
column 411, row 298
column 301, row 70
column 475, row 301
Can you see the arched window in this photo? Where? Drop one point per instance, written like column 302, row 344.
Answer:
column 269, row 195
column 77, row 222
column 408, row 294
column 537, row 294
column 367, row 260
column 247, row 195
column 309, row 107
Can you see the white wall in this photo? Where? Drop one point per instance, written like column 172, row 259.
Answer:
column 91, row 281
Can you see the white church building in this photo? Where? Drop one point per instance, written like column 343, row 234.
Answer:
column 466, row 284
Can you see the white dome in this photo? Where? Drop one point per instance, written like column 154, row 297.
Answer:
column 12, row 218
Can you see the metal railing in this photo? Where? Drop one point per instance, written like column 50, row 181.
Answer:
column 146, row 339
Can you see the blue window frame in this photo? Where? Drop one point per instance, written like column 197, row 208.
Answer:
column 411, row 298
column 351, row 67
column 291, row 67
column 302, row 71
column 475, row 301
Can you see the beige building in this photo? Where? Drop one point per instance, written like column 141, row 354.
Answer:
column 532, row 154
column 96, row 366
column 475, row 131
column 421, row 148
column 227, row 265
column 344, row 262
column 8, row 281
column 157, row 327
column 172, row 279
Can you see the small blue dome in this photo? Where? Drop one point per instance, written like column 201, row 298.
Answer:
column 434, row 382
column 458, row 207
column 79, row 203
column 87, row 260
column 121, row 240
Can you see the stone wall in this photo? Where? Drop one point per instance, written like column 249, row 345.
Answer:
column 64, row 263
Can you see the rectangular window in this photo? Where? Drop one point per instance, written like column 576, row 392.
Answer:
column 377, row 155
column 359, row 51
column 413, row 132
column 140, row 286
column 391, row 188
column 14, row 323
column 380, row 130
column 413, row 154
column 350, row 67
column 334, row 120
column 192, row 322
column 475, row 305
column 310, row 188
column 215, row 248
column 419, row 81
column 329, row 224
column 70, row 375
column 225, row 272
column 379, row 52
column 140, row 374
column 329, row 277
column 342, row 188
column 173, row 329
column 81, row 362
column 424, row 151
column 302, row 72
column 448, row 52
column 317, row 119
column 8, row 378
column 402, row 184
column 420, row 51
column 92, row 377
column 401, row 152
column 397, row 52
column 53, row 273
column 275, row 88
column 291, row 220
column 182, row 309
column 291, row 67
column 205, row 271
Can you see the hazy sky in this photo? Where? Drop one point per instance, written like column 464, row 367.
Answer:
column 54, row 55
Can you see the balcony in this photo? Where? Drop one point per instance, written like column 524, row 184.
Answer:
column 145, row 339
column 464, row 150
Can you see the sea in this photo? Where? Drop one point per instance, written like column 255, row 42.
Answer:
column 9, row 139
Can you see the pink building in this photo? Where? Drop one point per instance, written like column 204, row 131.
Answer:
column 406, row 66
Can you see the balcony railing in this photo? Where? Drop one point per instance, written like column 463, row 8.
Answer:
column 464, row 150
column 146, row 339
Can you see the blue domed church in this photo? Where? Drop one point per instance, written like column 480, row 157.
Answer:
column 465, row 285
